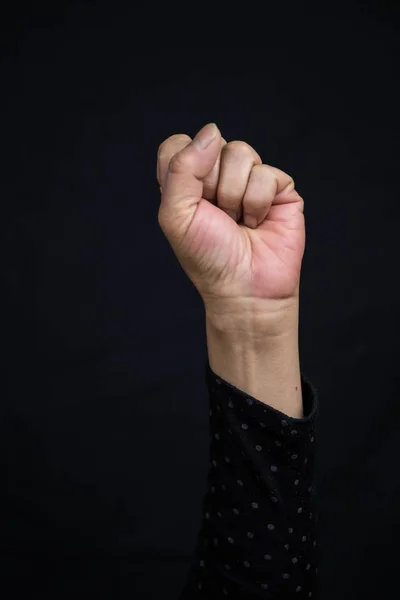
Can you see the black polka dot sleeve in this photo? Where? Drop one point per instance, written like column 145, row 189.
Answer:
column 257, row 538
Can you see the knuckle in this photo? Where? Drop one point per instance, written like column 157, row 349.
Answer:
column 238, row 147
column 263, row 173
column 269, row 173
column 271, row 179
column 167, row 145
column 178, row 163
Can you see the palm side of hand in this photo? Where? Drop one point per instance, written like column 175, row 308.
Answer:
column 224, row 258
column 232, row 260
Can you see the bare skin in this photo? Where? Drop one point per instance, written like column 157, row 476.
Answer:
column 237, row 227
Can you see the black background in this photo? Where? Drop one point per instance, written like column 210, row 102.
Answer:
column 103, row 422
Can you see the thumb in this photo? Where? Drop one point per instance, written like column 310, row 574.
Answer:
column 183, row 185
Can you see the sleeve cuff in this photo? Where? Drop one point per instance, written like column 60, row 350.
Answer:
column 228, row 393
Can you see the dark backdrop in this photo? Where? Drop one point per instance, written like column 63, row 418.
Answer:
column 103, row 413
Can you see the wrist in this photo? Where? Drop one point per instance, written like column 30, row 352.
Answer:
column 263, row 321
column 259, row 356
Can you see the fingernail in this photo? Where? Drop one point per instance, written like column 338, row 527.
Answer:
column 205, row 136
column 250, row 221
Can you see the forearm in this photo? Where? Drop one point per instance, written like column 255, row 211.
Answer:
column 263, row 365
column 257, row 537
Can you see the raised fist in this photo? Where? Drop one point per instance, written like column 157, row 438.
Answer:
column 235, row 224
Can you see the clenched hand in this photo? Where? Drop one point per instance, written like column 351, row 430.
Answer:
column 235, row 224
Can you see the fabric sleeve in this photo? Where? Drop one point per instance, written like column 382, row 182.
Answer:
column 258, row 532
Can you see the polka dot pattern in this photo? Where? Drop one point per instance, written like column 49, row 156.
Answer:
column 258, row 534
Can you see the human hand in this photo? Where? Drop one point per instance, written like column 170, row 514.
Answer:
column 210, row 191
